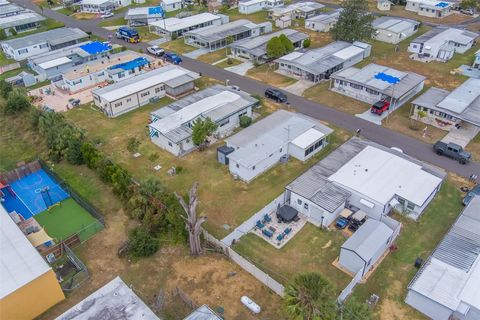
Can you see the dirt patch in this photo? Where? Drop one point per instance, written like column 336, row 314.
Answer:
column 391, row 309
column 219, row 282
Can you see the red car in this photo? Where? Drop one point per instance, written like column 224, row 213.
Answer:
column 380, row 107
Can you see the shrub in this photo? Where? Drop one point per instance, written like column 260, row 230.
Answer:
column 5, row 88
column 74, row 152
column 245, row 121
column 142, row 243
column 307, row 43
column 133, row 144
column 16, row 102
column 153, row 157
column 229, row 61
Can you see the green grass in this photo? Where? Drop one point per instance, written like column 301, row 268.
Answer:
column 267, row 74
column 214, row 56
column 224, row 64
column 178, row 46
column 257, row 17
column 66, row 11
column 47, row 24
column 146, row 35
column 113, row 22
column 4, row 60
column 66, row 219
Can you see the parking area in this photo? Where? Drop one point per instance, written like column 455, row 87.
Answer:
column 50, row 97
column 242, row 68
column 461, row 135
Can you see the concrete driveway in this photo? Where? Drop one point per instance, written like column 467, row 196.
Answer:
column 196, row 53
column 299, row 87
column 461, row 136
column 241, row 69
column 375, row 118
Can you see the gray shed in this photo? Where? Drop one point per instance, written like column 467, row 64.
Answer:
column 363, row 249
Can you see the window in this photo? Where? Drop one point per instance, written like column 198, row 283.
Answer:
column 22, row 51
column 157, row 90
column 253, row 168
column 44, row 45
column 129, row 99
column 224, row 122
column 118, row 104
column 356, row 86
column 372, row 91
column 170, row 144
column 121, row 74
column 305, row 206
column 299, row 201
column 313, row 147
column 144, row 94
column 281, row 149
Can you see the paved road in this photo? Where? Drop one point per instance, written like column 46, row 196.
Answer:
column 411, row 146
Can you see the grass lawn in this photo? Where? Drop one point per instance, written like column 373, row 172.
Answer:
column 318, row 39
column 266, row 73
column 66, row 219
column 4, row 60
column 474, row 147
column 178, row 46
column 212, row 57
column 224, row 64
column 85, row 15
column 417, row 239
column 66, row 11
column 146, row 35
column 321, row 94
column 257, row 17
column 113, row 22
column 217, row 186
column 47, row 24
column 312, row 249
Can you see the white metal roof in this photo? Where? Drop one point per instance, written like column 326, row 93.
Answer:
column 115, row 300
column 141, row 82
column 171, row 1
column 175, row 24
column 250, row 2
column 462, row 97
column 348, row 52
column 380, row 175
column 20, row 262
column 94, row 2
column 54, row 63
column 308, row 138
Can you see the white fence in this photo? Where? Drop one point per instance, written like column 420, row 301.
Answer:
column 349, row 288
column 9, row 67
column 248, row 225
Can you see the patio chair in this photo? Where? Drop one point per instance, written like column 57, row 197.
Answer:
column 288, row 230
column 267, row 218
column 259, row 224
column 280, row 237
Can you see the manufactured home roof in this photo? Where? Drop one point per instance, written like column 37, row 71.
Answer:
column 312, row 183
column 144, row 12
column 95, row 2
column 53, row 37
column 462, row 103
column 368, row 239
column 257, row 46
column 115, row 300
column 258, row 141
column 216, row 33
column 10, row 8
column 20, row 19
column 438, row 4
column 176, row 24
column 451, row 276
column 124, row 88
column 75, row 49
column 203, row 313
column 250, row 2
column 319, row 60
column 394, row 24
column 20, row 262
column 367, row 76
column 440, row 35
column 304, row 6
column 216, row 103
column 326, row 18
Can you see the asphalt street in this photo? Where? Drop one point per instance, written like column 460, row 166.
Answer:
column 381, row 135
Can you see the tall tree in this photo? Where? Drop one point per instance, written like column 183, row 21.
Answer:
column 275, row 48
column 310, row 297
column 287, row 43
column 192, row 223
column 354, row 22
column 17, row 102
column 201, row 130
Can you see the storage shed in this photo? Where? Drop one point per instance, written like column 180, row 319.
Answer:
column 363, row 249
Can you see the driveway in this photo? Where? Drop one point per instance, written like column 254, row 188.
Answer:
column 461, row 136
column 196, row 53
column 241, row 69
column 299, row 87
column 375, row 118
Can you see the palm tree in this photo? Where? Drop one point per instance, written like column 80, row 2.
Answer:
column 354, row 310
column 310, row 297
column 192, row 223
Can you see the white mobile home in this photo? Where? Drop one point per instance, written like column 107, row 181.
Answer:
column 384, row 5
column 176, row 27
column 367, row 176
column 172, row 5
column 446, row 286
column 445, row 110
column 430, row 8
column 298, row 10
column 101, row 6
column 365, row 247
column 127, row 95
column 262, row 145
column 374, row 82
column 393, row 30
column 14, row 18
column 252, row 6
column 171, row 126
column 216, row 37
column 28, row 46
column 323, row 22
column 143, row 15
column 442, row 43
column 318, row 64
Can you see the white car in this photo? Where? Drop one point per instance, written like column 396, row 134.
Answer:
column 156, row 51
column 107, row 15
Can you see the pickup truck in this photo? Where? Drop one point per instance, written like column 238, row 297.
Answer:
column 452, row 150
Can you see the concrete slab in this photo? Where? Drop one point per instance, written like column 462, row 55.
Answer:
column 469, row 71
column 57, row 100
column 157, row 42
column 241, row 69
column 299, row 87
column 375, row 118
column 196, row 53
column 463, row 135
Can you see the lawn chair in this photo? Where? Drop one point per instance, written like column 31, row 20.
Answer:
column 267, row 218
column 287, row 231
column 280, row 237
column 267, row 233
column 259, row 224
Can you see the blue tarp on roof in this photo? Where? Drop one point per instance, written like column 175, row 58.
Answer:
column 442, row 4
column 95, row 47
column 387, row 78
column 156, row 10
column 129, row 65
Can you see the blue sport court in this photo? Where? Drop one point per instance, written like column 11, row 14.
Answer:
column 32, row 194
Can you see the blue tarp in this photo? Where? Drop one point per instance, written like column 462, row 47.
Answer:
column 387, row 78
column 95, row 47
column 442, row 4
column 156, row 10
column 129, row 65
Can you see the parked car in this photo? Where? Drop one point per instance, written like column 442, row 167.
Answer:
column 173, row 58
column 156, row 51
column 469, row 12
column 453, row 151
column 472, row 193
column 380, row 107
column 276, row 95
column 107, row 14
column 74, row 102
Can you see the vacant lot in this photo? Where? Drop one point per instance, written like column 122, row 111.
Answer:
column 266, row 73
column 318, row 39
column 214, row 56
column 177, row 46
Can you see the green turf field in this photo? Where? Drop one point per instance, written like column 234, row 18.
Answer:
column 66, row 219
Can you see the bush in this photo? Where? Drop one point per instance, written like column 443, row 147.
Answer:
column 179, row 169
column 142, row 243
column 16, row 102
column 74, row 152
column 133, row 144
column 153, row 157
column 5, row 88
column 307, row 43
column 245, row 121
column 229, row 61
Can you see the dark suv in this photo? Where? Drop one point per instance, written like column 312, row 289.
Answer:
column 276, row 95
